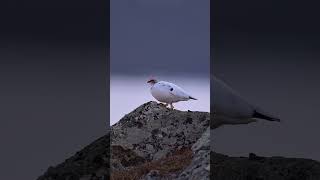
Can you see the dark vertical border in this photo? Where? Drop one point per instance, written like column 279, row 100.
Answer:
column 108, row 173
column 107, row 46
column 211, row 83
column 55, row 76
column 211, row 52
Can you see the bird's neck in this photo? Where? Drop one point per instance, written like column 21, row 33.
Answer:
column 153, row 83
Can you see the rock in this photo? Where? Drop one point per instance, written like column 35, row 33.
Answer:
column 123, row 158
column 263, row 168
column 153, row 175
column 200, row 165
column 152, row 142
column 152, row 130
column 164, row 138
column 91, row 163
column 156, row 143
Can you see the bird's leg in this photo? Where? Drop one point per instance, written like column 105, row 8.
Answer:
column 171, row 106
column 164, row 104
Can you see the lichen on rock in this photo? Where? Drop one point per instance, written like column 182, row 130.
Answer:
column 156, row 143
column 156, row 133
column 153, row 131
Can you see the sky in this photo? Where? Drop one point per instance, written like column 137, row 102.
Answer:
column 160, row 37
column 168, row 40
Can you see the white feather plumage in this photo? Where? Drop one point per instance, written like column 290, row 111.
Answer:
column 169, row 93
column 230, row 108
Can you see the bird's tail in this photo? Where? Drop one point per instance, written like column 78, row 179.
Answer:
column 261, row 115
column 190, row 97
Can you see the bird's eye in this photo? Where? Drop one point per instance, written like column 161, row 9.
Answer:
column 171, row 89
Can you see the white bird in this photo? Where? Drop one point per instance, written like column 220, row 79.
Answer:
column 231, row 108
column 167, row 92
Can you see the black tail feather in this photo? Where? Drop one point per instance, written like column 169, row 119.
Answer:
column 256, row 114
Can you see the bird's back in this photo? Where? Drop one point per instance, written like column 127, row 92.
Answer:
column 168, row 92
column 227, row 102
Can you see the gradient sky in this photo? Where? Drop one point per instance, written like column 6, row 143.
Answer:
column 167, row 36
column 167, row 39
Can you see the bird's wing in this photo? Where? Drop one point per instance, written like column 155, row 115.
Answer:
column 175, row 90
column 162, row 89
column 226, row 101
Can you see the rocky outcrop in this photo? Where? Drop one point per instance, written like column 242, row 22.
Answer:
column 91, row 163
column 151, row 142
column 263, row 168
column 200, row 165
column 160, row 137
column 156, row 143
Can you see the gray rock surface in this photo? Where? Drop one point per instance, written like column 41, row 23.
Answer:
column 91, row 163
column 200, row 165
column 156, row 143
column 263, row 168
column 154, row 132
column 150, row 136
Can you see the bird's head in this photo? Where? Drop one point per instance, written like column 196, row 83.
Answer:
column 152, row 81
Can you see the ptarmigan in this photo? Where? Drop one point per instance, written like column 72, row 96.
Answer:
column 231, row 108
column 167, row 92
